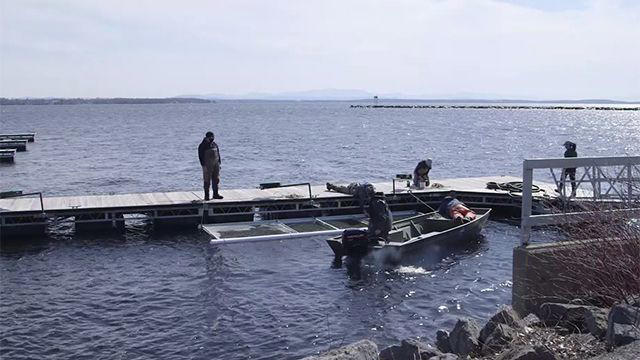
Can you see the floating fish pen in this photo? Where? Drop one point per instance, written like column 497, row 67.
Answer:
column 7, row 155
column 30, row 137
column 19, row 145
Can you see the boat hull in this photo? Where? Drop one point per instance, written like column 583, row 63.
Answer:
column 451, row 237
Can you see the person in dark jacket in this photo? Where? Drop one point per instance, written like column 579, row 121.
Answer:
column 421, row 174
column 380, row 219
column 209, row 155
column 570, row 172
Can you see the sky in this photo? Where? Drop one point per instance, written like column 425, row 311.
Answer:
column 524, row 49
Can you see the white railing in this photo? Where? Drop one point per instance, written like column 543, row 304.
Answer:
column 596, row 178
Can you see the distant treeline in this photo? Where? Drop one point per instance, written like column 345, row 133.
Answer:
column 78, row 101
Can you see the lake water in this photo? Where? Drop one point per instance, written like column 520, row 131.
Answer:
column 150, row 294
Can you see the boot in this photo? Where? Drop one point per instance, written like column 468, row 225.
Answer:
column 206, row 194
column 215, row 192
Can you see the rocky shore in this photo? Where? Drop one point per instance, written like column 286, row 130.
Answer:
column 555, row 331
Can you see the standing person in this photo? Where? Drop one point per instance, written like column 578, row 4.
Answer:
column 209, row 155
column 421, row 173
column 571, row 172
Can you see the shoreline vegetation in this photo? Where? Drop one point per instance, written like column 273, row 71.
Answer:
column 103, row 101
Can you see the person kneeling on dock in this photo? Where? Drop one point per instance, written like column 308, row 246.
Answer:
column 361, row 192
column 452, row 208
column 209, row 155
column 421, row 174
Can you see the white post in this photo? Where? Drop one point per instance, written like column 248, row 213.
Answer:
column 527, row 182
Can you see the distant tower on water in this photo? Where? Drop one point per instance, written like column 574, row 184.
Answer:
column 375, row 100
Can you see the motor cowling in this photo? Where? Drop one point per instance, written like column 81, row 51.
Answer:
column 355, row 243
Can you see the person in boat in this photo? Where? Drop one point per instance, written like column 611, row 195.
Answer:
column 380, row 219
column 361, row 192
column 209, row 155
column 421, row 174
column 452, row 208
column 570, row 172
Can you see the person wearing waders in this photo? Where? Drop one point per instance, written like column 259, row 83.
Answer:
column 421, row 174
column 571, row 172
column 380, row 219
column 209, row 155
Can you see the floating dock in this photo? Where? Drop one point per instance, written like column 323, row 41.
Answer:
column 7, row 155
column 30, row 137
column 19, row 145
column 29, row 216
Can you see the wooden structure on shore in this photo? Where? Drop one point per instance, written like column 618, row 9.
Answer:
column 20, row 216
column 30, row 137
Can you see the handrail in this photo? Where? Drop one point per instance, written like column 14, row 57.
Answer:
column 593, row 175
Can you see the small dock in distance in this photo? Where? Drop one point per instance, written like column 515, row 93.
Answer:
column 26, row 216
column 18, row 145
column 7, row 155
column 30, row 137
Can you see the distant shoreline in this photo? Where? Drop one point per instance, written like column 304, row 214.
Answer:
column 103, row 101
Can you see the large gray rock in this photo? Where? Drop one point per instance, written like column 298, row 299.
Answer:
column 595, row 320
column 527, row 353
column 506, row 315
column 361, row 350
column 464, row 338
column 409, row 349
column 623, row 325
column 500, row 338
column 569, row 316
column 442, row 341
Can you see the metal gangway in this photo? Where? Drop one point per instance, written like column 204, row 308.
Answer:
column 606, row 180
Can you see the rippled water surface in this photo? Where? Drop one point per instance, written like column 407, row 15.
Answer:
column 153, row 294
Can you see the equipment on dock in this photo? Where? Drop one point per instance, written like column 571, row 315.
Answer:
column 512, row 186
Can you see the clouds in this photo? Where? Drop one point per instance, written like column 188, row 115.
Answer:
column 510, row 48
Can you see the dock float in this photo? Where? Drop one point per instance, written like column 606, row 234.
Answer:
column 19, row 145
column 7, row 155
column 30, row 137
column 25, row 216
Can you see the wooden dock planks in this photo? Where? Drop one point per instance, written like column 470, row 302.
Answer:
column 239, row 196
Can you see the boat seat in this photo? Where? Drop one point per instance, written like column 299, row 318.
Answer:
column 416, row 230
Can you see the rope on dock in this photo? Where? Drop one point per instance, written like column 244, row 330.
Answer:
column 512, row 186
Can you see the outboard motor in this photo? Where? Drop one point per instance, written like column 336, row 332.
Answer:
column 355, row 243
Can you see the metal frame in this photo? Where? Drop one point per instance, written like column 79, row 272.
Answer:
column 617, row 188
